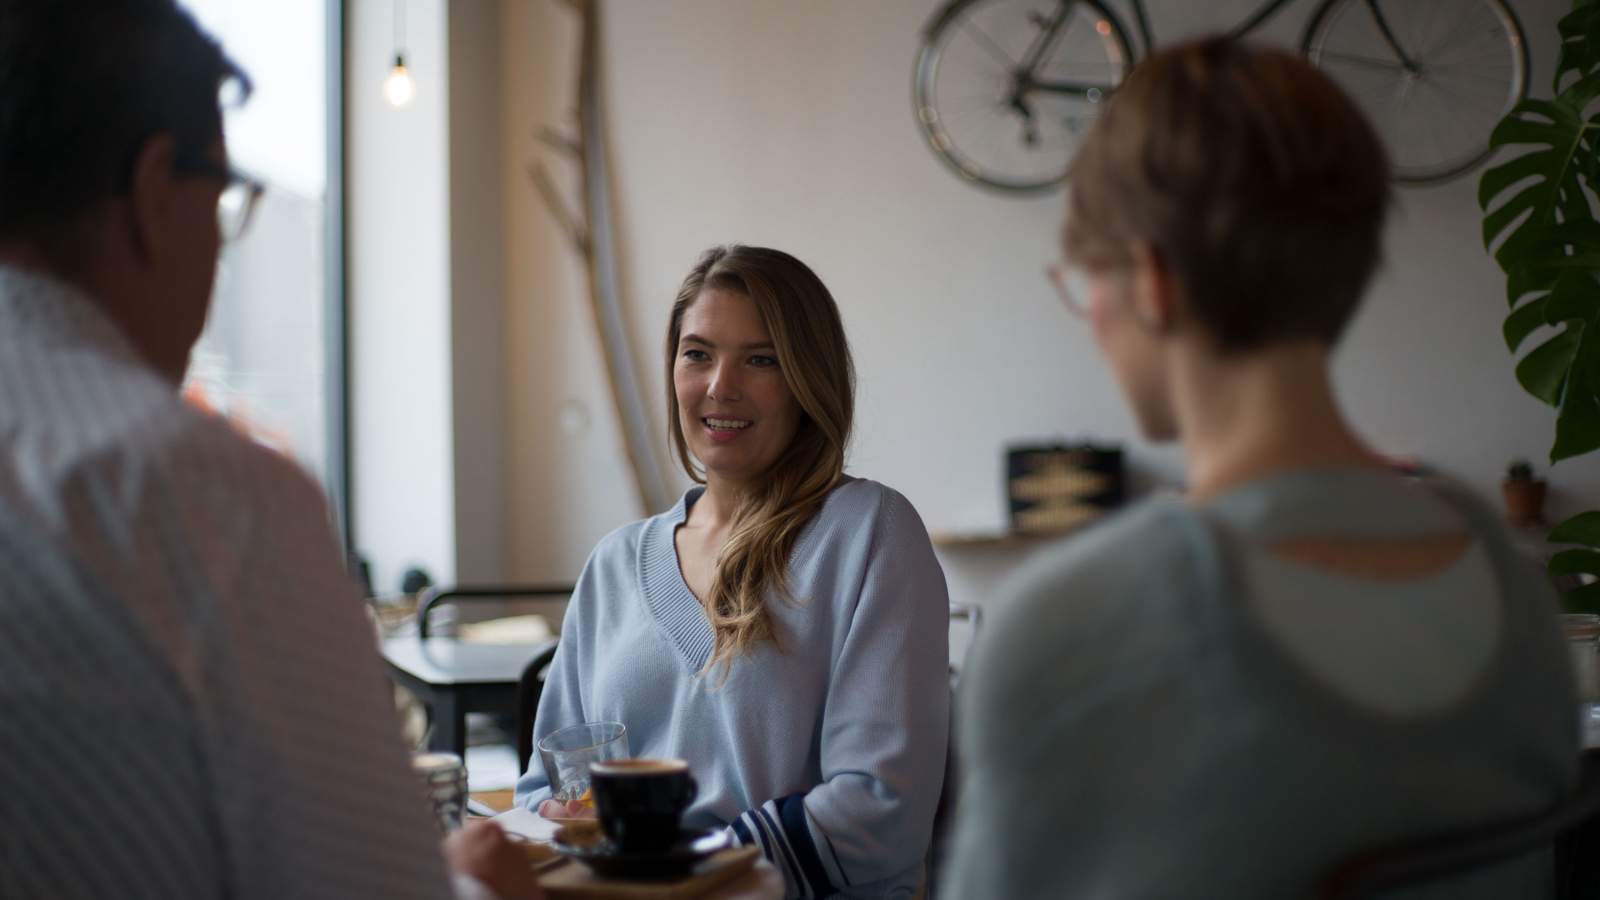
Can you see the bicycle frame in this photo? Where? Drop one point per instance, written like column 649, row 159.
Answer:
column 1042, row 44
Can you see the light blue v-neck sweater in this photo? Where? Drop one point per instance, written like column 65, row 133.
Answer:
column 828, row 749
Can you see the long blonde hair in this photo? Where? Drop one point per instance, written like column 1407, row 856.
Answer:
column 808, row 337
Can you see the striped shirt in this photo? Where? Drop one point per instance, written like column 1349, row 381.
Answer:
column 191, row 700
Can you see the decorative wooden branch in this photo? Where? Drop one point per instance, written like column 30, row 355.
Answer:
column 592, row 237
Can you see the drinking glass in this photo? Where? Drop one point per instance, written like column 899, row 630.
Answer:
column 1583, row 640
column 568, row 752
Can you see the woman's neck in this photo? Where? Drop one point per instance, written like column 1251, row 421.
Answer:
column 717, row 506
column 1245, row 417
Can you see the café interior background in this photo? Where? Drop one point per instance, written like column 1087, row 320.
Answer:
column 485, row 447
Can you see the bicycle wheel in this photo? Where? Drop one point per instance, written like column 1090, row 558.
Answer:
column 992, row 118
column 1464, row 66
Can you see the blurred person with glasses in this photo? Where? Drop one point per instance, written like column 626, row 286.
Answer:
column 236, row 204
column 193, row 703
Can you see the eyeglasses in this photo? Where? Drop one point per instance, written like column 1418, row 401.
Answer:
column 236, row 205
column 1072, row 283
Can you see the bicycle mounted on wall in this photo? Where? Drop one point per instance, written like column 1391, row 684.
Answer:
column 1006, row 89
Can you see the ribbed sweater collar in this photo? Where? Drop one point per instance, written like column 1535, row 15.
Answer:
column 666, row 594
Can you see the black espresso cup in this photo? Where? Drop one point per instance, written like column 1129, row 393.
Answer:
column 641, row 801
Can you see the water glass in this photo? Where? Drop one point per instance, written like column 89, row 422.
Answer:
column 568, row 753
column 1583, row 640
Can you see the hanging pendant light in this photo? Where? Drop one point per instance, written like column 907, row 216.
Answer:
column 398, row 88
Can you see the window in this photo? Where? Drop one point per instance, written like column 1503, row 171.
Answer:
column 270, row 359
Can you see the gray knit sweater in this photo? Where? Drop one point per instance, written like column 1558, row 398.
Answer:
column 1163, row 707
column 828, row 749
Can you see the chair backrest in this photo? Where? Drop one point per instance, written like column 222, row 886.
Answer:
column 973, row 617
column 945, row 810
column 966, row 612
column 496, row 592
column 529, row 689
column 1448, row 855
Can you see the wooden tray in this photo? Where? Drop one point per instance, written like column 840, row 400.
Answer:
column 573, row 880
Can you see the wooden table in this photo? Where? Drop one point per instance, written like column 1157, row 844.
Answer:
column 453, row 677
column 762, row 882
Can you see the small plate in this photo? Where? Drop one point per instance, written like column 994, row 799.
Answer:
column 588, row 845
column 577, row 822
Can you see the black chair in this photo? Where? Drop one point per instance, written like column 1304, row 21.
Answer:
column 944, row 812
column 529, row 689
column 531, row 685
column 435, row 597
column 1572, row 827
column 973, row 616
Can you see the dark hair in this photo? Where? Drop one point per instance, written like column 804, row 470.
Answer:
column 84, row 84
column 1257, row 181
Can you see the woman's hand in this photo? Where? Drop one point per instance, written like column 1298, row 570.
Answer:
column 481, row 849
column 566, row 809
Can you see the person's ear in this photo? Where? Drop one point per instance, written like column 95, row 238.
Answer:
column 1155, row 290
column 151, row 196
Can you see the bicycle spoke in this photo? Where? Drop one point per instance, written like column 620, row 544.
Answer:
column 1462, row 126
column 1478, row 35
column 1474, row 136
column 983, row 39
column 982, row 94
column 1449, row 35
column 1473, row 74
column 1457, row 73
column 1419, row 37
column 962, row 113
column 1077, row 70
column 1433, row 141
column 1408, row 31
column 1494, row 111
column 1365, row 62
column 971, row 102
column 1490, row 54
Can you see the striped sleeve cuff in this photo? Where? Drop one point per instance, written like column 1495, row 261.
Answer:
column 782, row 830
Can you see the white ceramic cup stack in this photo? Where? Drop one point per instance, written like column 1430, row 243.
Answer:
column 444, row 780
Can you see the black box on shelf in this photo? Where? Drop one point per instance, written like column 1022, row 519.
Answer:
column 1054, row 488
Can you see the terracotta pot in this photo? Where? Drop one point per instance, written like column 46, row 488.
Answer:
column 1524, row 501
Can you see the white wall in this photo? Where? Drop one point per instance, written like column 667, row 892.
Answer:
column 402, row 486
column 476, row 299
column 790, row 124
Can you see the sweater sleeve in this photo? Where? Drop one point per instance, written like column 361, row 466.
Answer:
column 885, row 730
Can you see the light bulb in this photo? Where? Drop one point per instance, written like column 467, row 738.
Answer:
column 398, row 88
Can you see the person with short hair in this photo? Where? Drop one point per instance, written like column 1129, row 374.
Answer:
column 784, row 627
column 1229, row 693
column 192, row 700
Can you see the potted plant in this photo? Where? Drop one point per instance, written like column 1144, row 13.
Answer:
column 1524, row 494
column 1540, row 224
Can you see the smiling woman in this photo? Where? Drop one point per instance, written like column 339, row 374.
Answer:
column 783, row 627
column 769, row 439
column 726, row 379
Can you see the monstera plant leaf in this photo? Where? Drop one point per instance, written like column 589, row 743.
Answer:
column 1583, row 529
column 1540, row 224
column 1541, row 227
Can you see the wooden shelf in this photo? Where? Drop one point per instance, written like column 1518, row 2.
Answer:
column 957, row 540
